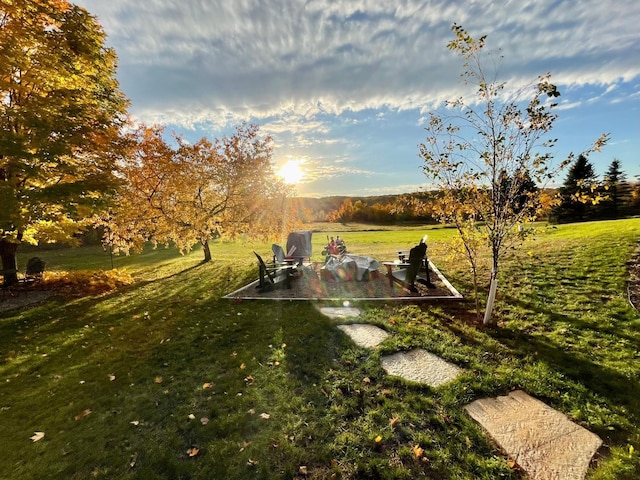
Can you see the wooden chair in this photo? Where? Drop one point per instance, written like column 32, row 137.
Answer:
column 274, row 276
column 407, row 274
column 35, row 271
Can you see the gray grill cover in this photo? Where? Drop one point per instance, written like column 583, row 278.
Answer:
column 302, row 241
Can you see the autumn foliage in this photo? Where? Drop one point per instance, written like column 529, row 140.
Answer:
column 82, row 283
column 189, row 194
column 60, row 123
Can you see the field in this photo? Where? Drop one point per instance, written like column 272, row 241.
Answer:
column 164, row 379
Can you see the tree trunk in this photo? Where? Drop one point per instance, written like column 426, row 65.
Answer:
column 206, row 250
column 488, row 320
column 9, row 263
column 475, row 292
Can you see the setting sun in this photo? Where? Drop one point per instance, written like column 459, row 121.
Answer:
column 291, row 172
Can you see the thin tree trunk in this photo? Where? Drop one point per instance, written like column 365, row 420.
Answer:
column 9, row 263
column 488, row 313
column 475, row 292
column 206, row 250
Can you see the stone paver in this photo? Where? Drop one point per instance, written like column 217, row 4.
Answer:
column 543, row 441
column 365, row 335
column 420, row 366
column 340, row 312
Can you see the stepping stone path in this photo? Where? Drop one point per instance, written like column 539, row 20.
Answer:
column 340, row 312
column 365, row 335
column 420, row 366
column 543, row 441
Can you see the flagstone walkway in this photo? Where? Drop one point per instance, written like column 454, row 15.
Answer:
column 544, row 442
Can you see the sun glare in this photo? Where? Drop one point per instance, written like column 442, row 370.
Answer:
column 291, row 172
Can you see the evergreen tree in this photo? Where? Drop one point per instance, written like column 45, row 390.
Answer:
column 578, row 193
column 617, row 192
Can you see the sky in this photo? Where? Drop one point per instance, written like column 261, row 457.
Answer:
column 344, row 86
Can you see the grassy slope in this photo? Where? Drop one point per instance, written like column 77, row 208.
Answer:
column 567, row 335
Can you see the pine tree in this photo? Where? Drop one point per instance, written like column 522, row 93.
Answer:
column 617, row 192
column 578, row 193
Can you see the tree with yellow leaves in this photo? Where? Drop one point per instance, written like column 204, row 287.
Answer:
column 192, row 193
column 484, row 154
column 61, row 115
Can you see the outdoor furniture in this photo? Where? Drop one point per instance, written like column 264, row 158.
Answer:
column 280, row 258
column 273, row 276
column 349, row 267
column 405, row 271
column 299, row 245
column 35, row 271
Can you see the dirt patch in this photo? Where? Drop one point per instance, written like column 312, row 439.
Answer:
column 310, row 283
column 24, row 298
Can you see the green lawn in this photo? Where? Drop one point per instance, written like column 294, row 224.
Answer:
column 163, row 379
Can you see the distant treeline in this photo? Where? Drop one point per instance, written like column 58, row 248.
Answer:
column 575, row 201
column 382, row 210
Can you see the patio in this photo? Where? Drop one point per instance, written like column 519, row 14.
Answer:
column 311, row 284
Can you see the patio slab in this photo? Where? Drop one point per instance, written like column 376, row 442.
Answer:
column 420, row 366
column 309, row 284
column 341, row 312
column 544, row 442
column 365, row 335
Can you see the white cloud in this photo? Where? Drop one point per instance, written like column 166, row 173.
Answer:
column 313, row 72
column 194, row 61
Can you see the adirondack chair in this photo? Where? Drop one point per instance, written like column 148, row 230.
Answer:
column 273, row 276
column 34, row 272
column 407, row 274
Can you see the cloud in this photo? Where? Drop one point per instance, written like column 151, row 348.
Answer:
column 195, row 61
column 348, row 84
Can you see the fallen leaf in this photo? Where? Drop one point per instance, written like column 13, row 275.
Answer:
column 378, row 439
column 366, row 380
column 266, row 416
column 418, row 451
column 192, row 416
column 133, row 460
column 204, row 420
column 82, row 414
column 394, row 421
column 512, row 463
column 135, row 422
column 244, row 445
column 111, row 329
column 234, row 354
column 37, row 436
column 243, row 366
column 251, row 411
column 193, row 451
column 303, row 470
column 251, row 462
column 112, row 377
column 249, row 380
column 207, row 385
column 158, row 379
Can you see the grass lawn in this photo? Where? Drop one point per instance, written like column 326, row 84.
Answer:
column 162, row 379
